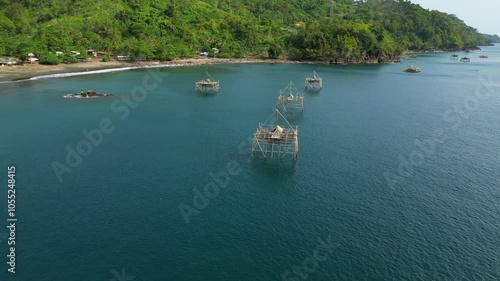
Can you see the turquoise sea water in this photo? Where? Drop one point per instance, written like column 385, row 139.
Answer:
column 116, row 215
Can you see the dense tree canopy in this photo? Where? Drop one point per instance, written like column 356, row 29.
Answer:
column 166, row 29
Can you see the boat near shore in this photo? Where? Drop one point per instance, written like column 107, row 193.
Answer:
column 90, row 94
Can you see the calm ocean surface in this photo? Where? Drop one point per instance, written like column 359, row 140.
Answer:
column 399, row 172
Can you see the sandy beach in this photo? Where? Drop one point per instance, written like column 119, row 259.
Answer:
column 27, row 71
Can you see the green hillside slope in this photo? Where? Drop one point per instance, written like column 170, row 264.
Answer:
column 164, row 29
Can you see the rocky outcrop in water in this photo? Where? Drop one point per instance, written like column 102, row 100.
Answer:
column 88, row 94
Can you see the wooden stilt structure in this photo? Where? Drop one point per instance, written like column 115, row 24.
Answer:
column 290, row 100
column 412, row 68
column 276, row 138
column 314, row 83
column 207, row 85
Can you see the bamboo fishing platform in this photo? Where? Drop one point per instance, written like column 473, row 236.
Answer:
column 276, row 138
column 208, row 85
column 290, row 99
column 412, row 69
column 314, row 83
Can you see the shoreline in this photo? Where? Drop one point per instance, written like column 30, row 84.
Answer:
column 30, row 71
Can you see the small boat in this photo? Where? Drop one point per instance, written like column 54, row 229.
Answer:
column 412, row 69
column 314, row 83
column 413, row 56
column 465, row 59
column 90, row 94
column 207, row 85
column 483, row 56
column 454, row 57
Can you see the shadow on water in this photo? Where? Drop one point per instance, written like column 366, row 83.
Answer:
column 274, row 169
column 293, row 117
column 206, row 95
column 312, row 92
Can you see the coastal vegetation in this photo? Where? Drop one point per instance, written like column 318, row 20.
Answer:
column 492, row 38
column 341, row 30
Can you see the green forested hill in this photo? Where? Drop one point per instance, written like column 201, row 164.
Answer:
column 165, row 29
column 492, row 38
